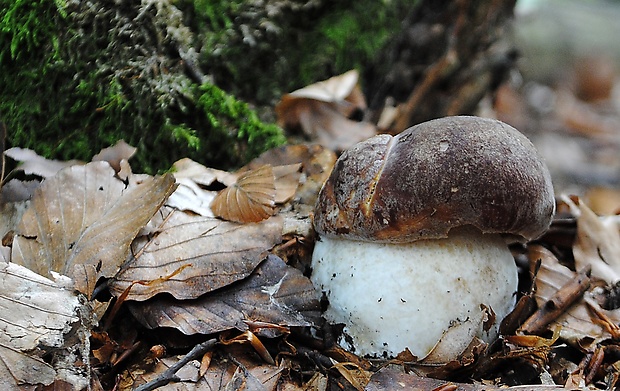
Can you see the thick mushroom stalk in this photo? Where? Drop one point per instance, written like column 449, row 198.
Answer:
column 412, row 250
column 393, row 297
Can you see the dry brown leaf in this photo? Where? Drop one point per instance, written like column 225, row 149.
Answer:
column 241, row 374
column 38, row 317
column 325, row 124
column 84, row 217
column 316, row 165
column 318, row 382
column 576, row 325
column 322, row 111
column 200, row 253
column 250, row 199
column 204, row 176
column 115, row 154
column 33, row 164
column 597, row 242
column 355, row 375
column 394, row 377
column 286, row 181
column 274, row 293
column 335, row 89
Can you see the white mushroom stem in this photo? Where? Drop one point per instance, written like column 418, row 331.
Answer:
column 396, row 296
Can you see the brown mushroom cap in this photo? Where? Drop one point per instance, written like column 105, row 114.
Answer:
column 435, row 176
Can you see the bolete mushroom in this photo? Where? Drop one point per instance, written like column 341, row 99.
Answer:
column 414, row 230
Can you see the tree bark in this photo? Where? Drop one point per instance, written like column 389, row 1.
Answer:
column 447, row 57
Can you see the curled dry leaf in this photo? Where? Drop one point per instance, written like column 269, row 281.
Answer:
column 323, row 110
column 77, row 223
column 33, row 164
column 251, row 199
column 273, row 293
column 115, row 154
column 316, row 165
column 38, row 317
column 577, row 325
column 597, row 243
column 204, row 176
column 194, row 179
column 200, row 254
column 335, row 89
column 189, row 196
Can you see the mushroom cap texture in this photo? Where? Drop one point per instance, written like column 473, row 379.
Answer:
column 435, row 176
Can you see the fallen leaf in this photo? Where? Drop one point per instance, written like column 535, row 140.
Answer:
column 205, row 176
column 316, row 165
column 115, row 154
column 242, row 373
column 286, row 181
column 335, row 89
column 597, row 242
column 355, row 375
column 393, row 377
column 326, row 125
column 79, row 219
column 41, row 317
column 576, row 324
column 250, row 199
column 33, row 164
column 273, row 293
column 323, row 110
column 189, row 196
column 202, row 253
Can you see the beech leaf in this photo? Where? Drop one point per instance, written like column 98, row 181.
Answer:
column 187, row 168
column 273, row 293
column 250, row 199
column 34, row 164
column 85, row 217
column 324, row 110
column 576, row 324
column 316, row 165
column 597, row 243
column 198, row 254
column 39, row 316
column 334, row 89
column 115, row 154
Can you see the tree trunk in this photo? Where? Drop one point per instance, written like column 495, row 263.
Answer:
column 447, row 57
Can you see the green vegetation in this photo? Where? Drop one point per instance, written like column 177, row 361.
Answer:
column 79, row 76
column 258, row 54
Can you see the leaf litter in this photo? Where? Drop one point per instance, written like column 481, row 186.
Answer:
column 208, row 254
column 138, row 265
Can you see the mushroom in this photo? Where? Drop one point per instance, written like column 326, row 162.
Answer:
column 412, row 252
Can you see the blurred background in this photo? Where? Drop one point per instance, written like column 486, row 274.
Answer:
column 564, row 93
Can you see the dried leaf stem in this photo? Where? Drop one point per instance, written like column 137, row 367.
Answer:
column 558, row 303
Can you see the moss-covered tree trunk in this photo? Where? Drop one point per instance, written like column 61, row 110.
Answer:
column 448, row 55
column 171, row 77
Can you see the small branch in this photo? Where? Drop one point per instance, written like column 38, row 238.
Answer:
column 169, row 375
column 558, row 303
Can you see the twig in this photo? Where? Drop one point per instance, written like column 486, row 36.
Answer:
column 169, row 375
column 558, row 303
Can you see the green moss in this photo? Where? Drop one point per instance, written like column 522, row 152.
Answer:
column 231, row 117
column 79, row 76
